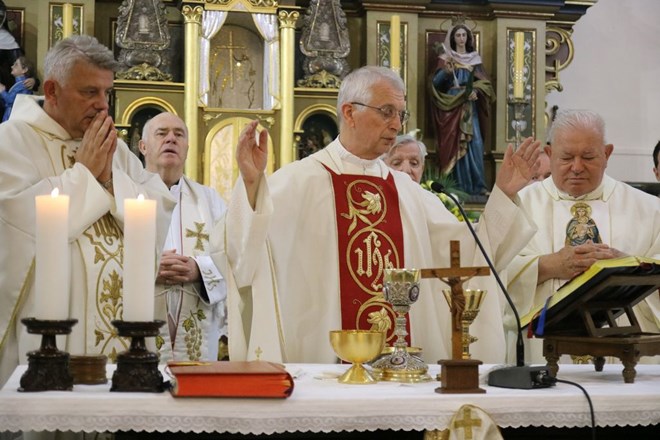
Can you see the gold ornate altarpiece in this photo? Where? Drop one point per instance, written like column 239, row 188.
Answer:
column 240, row 65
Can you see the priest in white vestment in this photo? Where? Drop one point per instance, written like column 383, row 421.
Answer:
column 190, row 290
column 67, row 140
column 292, row 277
column 615, row 220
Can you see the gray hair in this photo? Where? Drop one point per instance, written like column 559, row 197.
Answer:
column 61, row 58
column 577, row 119
column 357, row 86
column 407, row 139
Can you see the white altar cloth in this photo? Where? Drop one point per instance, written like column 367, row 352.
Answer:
column 319, row 404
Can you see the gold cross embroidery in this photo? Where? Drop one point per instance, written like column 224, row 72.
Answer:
column 199, row 234
column 467, row 423
column 258, row 353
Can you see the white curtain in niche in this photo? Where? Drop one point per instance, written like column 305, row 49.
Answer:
column 212, row 21
column 267, row 26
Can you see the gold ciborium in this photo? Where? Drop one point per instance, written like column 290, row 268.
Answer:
column 357, row 347
column 401, row 289
column 473, row 300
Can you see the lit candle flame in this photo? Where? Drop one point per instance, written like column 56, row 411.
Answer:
column 55, row 192
column 140, row 197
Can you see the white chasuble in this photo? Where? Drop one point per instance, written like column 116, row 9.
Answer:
column 281, row 261
column 563, row 218
column 36, row 156
column 195, row 313
column 626, row 219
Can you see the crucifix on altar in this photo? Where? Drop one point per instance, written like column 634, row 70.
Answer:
column 460, row 374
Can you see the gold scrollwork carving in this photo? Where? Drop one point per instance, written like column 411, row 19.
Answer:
column 268, row 120
column 559, row 54
column 253, row 3
column 208, row 117
column 288, row 19
column 321, row 80
column 144, row 72
column 192, row 15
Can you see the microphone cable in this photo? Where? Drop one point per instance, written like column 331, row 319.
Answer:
column 520, row 347
column 586, row 394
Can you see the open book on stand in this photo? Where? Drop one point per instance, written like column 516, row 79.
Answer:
column 589, row 304
column 230, row 379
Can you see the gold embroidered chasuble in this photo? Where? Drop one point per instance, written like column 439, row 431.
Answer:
column 623, row 217
column 195, row 313
column 36, row 155
column 280, row 260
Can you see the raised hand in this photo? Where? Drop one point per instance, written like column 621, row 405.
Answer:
column 252, row 156
column 518, row 168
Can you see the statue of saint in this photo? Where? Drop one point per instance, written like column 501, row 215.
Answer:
column 461, row 94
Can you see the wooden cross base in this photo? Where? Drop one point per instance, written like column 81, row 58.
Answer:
column 459, row 376
column 627, row 348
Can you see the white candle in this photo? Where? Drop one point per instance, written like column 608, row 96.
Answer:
column 51, row 295
column 67, row 20
column 139, row 258
column 518, row 64
column 395, row 43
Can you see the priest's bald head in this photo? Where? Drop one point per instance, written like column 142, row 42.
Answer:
column 578, row 152
column 371, row 108
column 164, row 145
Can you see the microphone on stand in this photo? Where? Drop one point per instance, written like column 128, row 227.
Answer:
column 519, row 376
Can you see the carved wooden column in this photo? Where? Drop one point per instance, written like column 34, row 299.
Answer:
column 193, row 26
column 287, row 19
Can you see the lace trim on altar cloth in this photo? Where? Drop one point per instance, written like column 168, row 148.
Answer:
column 320, row 405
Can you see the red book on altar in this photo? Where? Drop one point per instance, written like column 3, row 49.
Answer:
column 230, row 379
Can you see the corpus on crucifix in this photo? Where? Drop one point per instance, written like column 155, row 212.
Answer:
column 458, row 375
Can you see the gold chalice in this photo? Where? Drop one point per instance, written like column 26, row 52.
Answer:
column 473, row 300
column 357, row 347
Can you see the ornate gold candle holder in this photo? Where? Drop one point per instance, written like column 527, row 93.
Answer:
column 473, row 300
column 401, row 289
column 48, row 367
column 137, row 368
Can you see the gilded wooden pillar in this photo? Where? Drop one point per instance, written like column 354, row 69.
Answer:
column 287, row 21
column 193, row 27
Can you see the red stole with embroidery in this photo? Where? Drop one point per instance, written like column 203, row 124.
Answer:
column 370, row 240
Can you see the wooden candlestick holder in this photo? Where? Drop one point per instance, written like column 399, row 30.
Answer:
column 48, row 367
column 137, row 368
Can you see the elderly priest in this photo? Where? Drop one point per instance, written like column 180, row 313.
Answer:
column 583, row 216
column 307, row 246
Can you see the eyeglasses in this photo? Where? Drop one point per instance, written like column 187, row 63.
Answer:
column 388, row 112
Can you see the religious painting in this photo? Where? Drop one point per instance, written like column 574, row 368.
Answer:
column 56, row 22
column 15, row 24
column 319, row 130
column 138, row 119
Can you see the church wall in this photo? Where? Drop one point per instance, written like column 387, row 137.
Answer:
column 615, row 72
